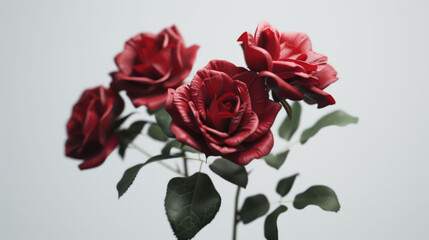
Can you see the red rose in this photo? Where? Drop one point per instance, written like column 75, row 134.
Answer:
column 90, row 127
column 150, row 64
column 293, row 70
column 224, row 111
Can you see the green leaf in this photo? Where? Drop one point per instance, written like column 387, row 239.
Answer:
column 318, row 195
column 254, row 207
column 163, row 119
column 175, row 144
column 131, row 173
column 285, row 185
column 277, row 160
column 126, row 136
column 120, row 121
column 156, row 133
column 171, row 144
column 289, row 126
column 270, row 226
column 191, row 203
column 151, row 112
column 187, row 148
column 230, row 171
column 338, row 118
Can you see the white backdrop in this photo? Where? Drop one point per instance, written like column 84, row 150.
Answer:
column 51, row 50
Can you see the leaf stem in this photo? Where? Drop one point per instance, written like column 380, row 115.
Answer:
column 185, row 164
column 287, row 107
column 160, row 162
column 289, row 145
column 236, row 219
column 196, row 159
column 140, row 149
column 281, row 201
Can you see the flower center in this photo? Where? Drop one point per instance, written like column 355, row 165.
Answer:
column 222, row 109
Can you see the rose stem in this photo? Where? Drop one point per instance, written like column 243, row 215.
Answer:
column 185, row 164
column 287, row 108
column 236, row 220
column 160, row 162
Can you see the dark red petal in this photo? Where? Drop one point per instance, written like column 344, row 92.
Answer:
column 161, row 61
column 145, row 80
column 317, row 59
column 256, row 88
column 188, row 61
column 266, row 120
column 263, row 26
column 100, row 158
column 125, row 60
column 247, row 127
column 296, row 39
column 327, row 76
column 90, row 124
column 252, row 150
column 281, row 87
column 257, row 58
column 314, row 95
column 249, row 121
column 215, row 132
column 106, row 122
column 188, row 138
column 269, row 41
column 172, row 109
column 220, row 150
column 180, row 110
column 153, row 101
column 224, row 66
column 289, row 68
column 174, row 34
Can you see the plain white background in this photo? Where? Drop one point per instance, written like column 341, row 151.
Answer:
column 51, row 50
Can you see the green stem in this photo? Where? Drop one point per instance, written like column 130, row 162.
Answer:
column 287, row 107
column 185, row 164
column 160, row 162
column 236, row 219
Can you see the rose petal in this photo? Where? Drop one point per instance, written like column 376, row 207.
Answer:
column 327, row 76
column 296, row 39
column 269, row 40
column 153, row 102
column 263, row 26
column 314, row 95
column 123, row 77
column 188, row 61
column 252, row 150
column 100, row 158
column 257, row 58
column 246, row 128
column 224, row 67
column 187, row 137
column 281, row 87
column 266, row 120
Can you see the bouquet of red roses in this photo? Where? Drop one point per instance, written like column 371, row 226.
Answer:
column 225, row 111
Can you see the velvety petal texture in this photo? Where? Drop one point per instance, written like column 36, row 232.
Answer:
column 150, row 64
column 292, row 69
column 90, row 127
column 225, row 111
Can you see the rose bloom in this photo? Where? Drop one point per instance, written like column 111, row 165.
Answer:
column 293, row 70
column 224, row 111
column 90, row 127
column 152, row 63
